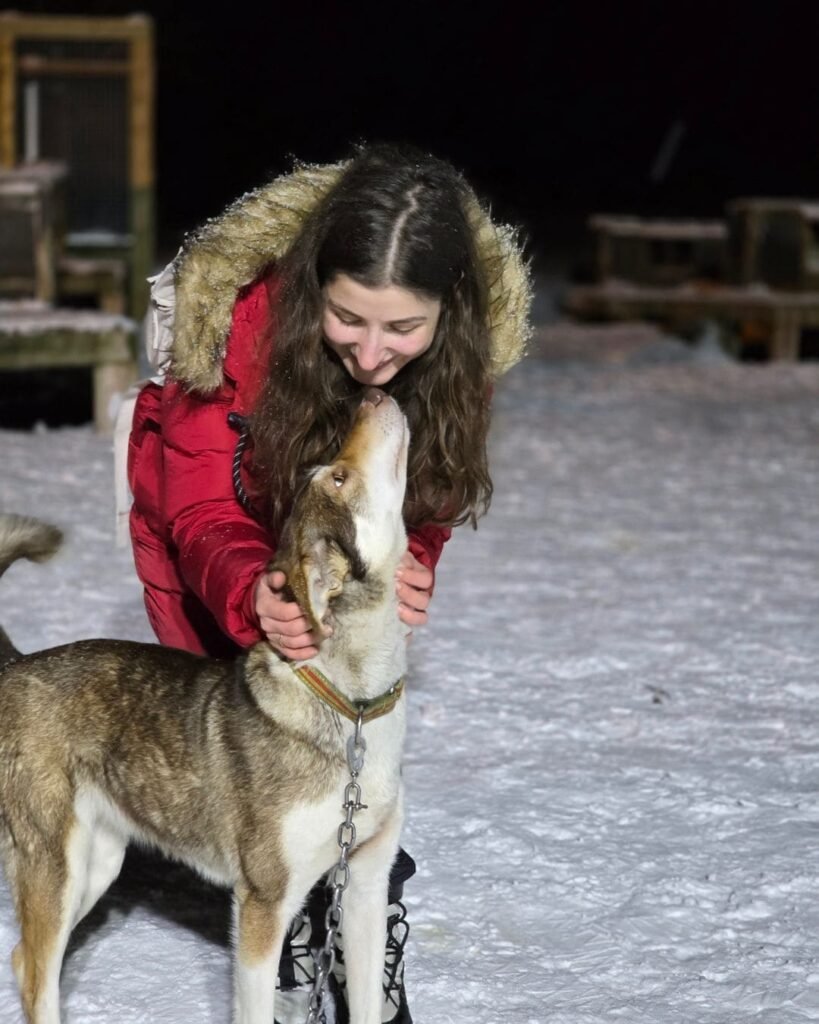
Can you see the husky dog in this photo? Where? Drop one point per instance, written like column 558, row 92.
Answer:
column 237, row 769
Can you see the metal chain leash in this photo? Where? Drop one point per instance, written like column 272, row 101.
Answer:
column 340, row 875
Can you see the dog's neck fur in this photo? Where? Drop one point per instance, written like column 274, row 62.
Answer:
column 366, row 653
column 363, row 657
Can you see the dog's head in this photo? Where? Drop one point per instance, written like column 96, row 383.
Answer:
column 346, row 524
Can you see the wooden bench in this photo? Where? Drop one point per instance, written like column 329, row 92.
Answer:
column 34, row 335
column 779, row 317
column 103, row 279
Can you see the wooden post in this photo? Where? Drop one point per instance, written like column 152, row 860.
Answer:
column 141, row 101
column 44, row 248
column 787, row 331
column 8, row 94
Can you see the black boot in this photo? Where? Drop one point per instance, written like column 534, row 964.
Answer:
column 394, row 1009
column 297, row 967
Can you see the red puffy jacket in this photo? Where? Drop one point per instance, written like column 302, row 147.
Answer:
column 197, row 552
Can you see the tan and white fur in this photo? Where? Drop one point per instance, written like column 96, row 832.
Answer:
column 235, row 769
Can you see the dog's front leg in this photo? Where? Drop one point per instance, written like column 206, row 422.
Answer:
column 260, row 926
column 365, row 921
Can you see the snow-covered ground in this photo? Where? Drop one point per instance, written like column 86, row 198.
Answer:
column 613, row 752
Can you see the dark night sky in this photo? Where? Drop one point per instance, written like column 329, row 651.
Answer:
column 551, row 114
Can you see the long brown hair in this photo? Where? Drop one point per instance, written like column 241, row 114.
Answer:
column 395, row 217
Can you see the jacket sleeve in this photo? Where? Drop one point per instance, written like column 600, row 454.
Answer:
column 427, row 543
column 222, row 550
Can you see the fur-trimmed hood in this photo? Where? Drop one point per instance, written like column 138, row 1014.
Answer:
column 231, row 250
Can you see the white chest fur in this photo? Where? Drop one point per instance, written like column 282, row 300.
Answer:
column 309, row 856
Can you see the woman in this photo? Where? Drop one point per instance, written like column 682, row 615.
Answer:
column 381, row 271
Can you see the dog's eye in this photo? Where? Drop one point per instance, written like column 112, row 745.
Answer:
column 338, row 479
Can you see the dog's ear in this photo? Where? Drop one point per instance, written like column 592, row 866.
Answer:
column 317, row 553
column 324, row 569
column 316, row 571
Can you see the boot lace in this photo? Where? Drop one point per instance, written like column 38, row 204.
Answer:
column 397, row 933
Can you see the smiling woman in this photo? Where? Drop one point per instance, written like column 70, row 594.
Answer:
column 376, row 331
column 383, row 271
column 400, row 277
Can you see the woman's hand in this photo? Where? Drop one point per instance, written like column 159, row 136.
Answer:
column 414, row 586
column 282, row 622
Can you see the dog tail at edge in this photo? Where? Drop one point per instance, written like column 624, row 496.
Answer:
column 23, row 537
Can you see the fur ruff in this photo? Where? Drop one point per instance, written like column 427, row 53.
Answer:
column 231, row 251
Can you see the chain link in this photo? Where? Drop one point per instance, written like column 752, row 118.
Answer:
column 339, row 875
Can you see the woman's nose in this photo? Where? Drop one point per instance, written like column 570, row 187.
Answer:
column 369, row 350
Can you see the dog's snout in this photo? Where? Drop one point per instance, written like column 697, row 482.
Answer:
column 374, row 396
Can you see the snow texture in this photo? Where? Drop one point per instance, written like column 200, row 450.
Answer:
column 613, row 758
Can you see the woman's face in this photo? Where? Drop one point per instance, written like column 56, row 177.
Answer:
column 376, row 331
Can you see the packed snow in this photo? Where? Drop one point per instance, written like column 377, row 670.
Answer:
column 612, row 765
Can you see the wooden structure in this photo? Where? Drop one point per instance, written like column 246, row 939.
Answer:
column 658, row 252
column 774, row 320
column 76, row 195
column 105, row 279
column 756, row 273
column 34, row 336
column 776, row 242
column 80, row 90
column 31, row 230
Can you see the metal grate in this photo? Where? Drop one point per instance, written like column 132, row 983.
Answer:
column 84, row 122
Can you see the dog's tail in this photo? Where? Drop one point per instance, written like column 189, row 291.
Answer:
column 22, row 537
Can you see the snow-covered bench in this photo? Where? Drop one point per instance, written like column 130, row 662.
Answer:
column 34, row 335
